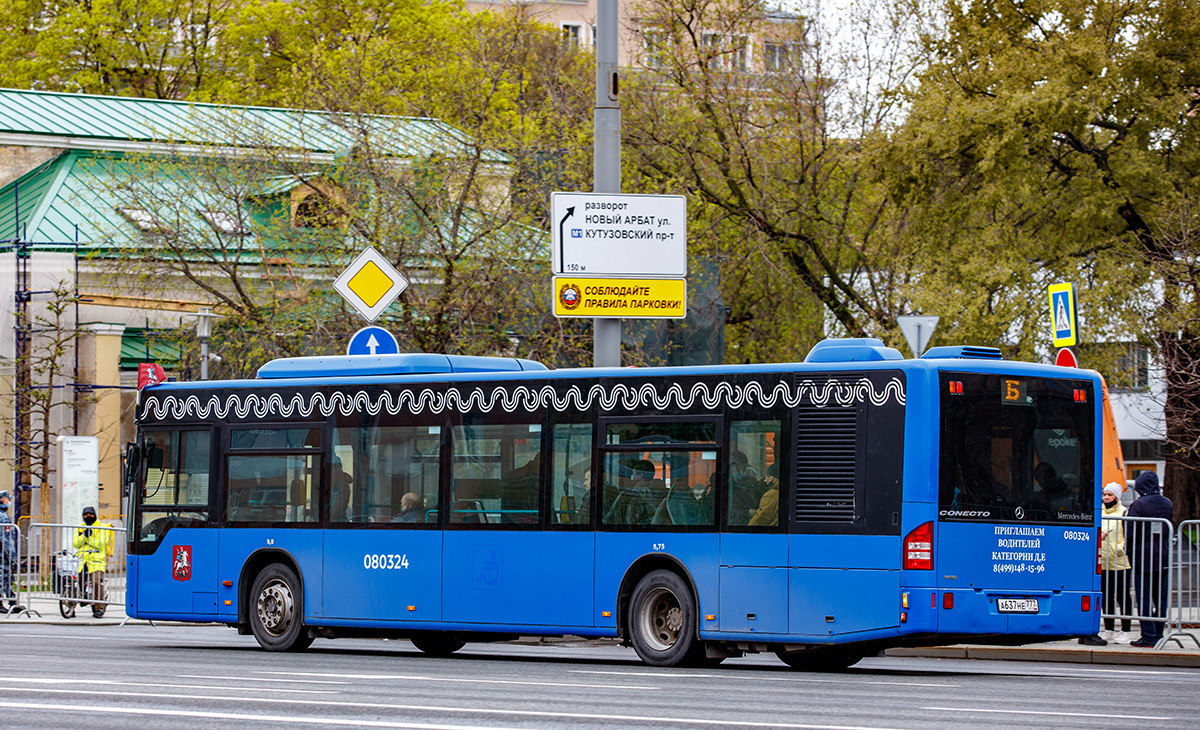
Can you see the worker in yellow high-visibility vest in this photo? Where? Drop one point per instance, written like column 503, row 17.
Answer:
column 93, row 543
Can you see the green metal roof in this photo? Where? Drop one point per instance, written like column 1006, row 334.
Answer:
column 137, row 348
column 86, row 189
column 83, row 121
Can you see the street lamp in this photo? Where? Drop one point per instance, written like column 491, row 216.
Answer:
column 204, row 330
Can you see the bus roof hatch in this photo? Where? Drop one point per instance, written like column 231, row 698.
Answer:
column 334, row 366
column 962, row 352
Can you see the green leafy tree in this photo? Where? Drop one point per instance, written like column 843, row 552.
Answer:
column 456, row 208
column 166, row 49
column 1057, row 139
column 47, row 397
column 751, row 114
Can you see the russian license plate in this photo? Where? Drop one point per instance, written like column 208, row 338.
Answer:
column 1017, row 605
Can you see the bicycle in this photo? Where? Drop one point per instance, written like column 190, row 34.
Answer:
column 73, row 588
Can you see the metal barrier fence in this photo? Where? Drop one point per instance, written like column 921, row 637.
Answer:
column 77, row 567
column 10, row 566
column 1185, row 598
column 1148, row 575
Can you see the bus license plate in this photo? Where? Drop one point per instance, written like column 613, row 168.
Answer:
column 1017, row 605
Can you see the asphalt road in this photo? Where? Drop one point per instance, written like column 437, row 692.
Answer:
column 203, row 677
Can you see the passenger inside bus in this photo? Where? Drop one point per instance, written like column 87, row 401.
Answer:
column 768, row 506
column 412, row 508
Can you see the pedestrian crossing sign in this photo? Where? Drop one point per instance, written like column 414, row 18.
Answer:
column 1063, row 323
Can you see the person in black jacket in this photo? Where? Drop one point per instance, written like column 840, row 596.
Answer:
column 1148, row 545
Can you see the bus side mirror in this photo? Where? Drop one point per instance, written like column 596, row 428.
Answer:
column 133, row 459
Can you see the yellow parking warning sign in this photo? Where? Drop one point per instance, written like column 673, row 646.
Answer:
column 628, row 298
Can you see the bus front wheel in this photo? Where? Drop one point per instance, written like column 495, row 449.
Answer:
column 277, row 610
column 662, row 620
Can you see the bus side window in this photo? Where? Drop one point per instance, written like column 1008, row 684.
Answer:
column 753, row 486
column 496, row 474
column 570, row 476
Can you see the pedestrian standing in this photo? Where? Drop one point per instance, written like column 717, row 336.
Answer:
column 8, row 555
column 1148, row 546
column 1114, row 565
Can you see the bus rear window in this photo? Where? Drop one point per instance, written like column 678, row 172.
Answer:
column 1016, row 449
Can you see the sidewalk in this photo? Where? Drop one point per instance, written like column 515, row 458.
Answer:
column 1066, row 651
column 46, row 612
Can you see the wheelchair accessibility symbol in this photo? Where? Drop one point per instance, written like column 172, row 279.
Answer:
column 485, row 575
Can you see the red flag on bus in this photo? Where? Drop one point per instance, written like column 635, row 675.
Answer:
column 150, row 374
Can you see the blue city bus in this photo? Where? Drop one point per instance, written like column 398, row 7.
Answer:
column 823, row 510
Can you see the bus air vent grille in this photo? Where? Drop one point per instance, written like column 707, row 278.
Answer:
column 826, row 445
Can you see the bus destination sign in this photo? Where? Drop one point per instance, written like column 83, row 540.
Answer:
column 619, row 235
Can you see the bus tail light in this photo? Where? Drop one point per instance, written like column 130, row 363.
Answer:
column 918, row 548
column 1085, row 603
column 947, row 600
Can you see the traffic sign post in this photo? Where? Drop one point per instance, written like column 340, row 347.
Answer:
column 370, row 284
column 372, row 341
column 619, row 235
column 1063, row 322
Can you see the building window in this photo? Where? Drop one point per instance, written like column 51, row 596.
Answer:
column 726, row 52
column 143, row 219
column 572, row 34
column 1133, row 368
column 228, row 224
column 654, row 49
column 1125, row 365
column 315, row 211
column 779, row 56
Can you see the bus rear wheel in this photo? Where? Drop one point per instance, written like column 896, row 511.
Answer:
column 437, row 643
column 277, row 610
column 662, row 621
column 819, row 661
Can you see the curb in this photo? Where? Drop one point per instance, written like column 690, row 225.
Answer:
column 1147, row 657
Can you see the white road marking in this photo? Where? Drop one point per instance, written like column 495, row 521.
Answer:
column 71, row 637
column 259, row 679
column 761, row 678
column 1104, row 715
column 244, row 717
column 115, row 683
column 463, row 680
column 683, row 721
column 1154, row 672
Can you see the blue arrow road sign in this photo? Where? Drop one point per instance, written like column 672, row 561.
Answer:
column 372, row 341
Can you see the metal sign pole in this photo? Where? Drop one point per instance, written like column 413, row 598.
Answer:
column 606, row 153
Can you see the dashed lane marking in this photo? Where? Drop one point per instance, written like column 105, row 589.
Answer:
column 1103, row 715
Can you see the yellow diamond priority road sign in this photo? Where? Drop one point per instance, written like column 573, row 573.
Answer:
column 370, row 284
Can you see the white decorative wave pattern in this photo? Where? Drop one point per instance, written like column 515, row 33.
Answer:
column 830, row 392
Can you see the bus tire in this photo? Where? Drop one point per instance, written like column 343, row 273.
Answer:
column 437, row 643
column 819, row 661
column 277, row 610
column 662, row 620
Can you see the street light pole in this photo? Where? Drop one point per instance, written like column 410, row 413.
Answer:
column 203, row 331
column 606, row 154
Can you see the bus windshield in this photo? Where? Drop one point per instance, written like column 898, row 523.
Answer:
column 1016, row 449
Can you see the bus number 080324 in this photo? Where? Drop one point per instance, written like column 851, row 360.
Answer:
column 385, row 562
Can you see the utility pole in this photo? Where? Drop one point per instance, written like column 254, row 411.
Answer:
column 606, row 154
